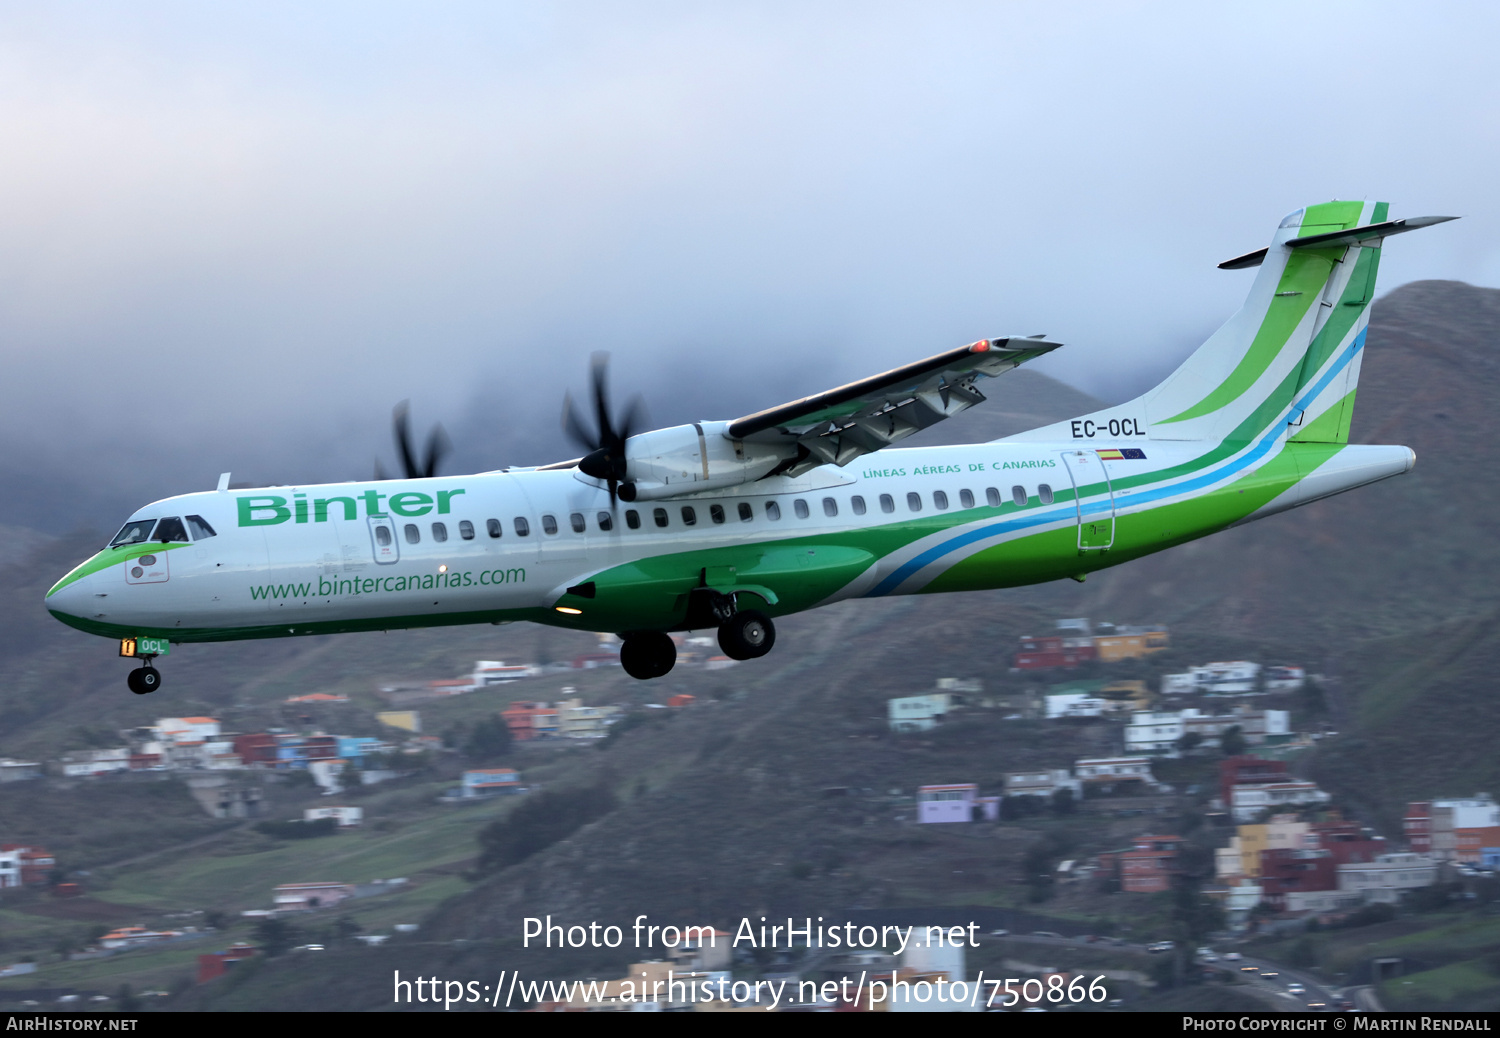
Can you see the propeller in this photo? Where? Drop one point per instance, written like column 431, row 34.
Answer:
column 606, row 458
column 437, row 446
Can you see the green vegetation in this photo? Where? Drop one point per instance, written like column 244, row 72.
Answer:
column 540, row 821
column 298, row 830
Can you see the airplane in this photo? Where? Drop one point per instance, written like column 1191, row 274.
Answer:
column 727, row 525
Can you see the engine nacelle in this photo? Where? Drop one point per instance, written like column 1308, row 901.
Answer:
column 685, row 459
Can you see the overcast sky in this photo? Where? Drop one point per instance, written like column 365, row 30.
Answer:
column 234, row 238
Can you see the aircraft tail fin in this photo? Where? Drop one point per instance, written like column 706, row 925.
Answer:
column 1291, row 354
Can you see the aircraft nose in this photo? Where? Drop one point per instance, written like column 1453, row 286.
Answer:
column 71, row 597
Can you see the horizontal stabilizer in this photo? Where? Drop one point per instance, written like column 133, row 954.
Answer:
column 1249, row 259
column 1369, row 232
column 1373, row 232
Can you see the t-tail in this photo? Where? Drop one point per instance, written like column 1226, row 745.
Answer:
column 1284, row 369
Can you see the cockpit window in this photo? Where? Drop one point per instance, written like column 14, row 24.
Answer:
column 200, row 528
column 133, row 533
column 170, row 529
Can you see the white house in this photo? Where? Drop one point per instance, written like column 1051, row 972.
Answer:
column 1179, row 684
column 1385, row 878
column 1236, row 678
column 1284, row 679
column 956, row 803
column 1041, row 783
column 1155, row 732
column 495, row 672
column 1249, row 799
column 917, row 713
column 1076, row 704
column 187, row 729
column 1113, row 769
column 87, row 763
column 344, row 816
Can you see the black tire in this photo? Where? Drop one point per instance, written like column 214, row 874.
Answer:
column 144, row 681
column 747, row 635
column 649, row 654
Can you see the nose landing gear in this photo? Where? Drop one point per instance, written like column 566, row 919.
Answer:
column 145, row 649
column 146, row 679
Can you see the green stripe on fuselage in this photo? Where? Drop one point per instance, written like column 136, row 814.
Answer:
column 113, row 557
column 1045, row 556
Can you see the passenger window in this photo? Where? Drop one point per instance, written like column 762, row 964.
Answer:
column 492, row 527
column 133, row 533
column 660, row 515
column 200, row 528
column 576, row 519
column 383, row 536
column 689, row 517
column 940, row 499
column 606, row 521
column 439, row 532
column 170, row 529
column 716, row 513
column 632, row 519
column 992, row 495
column 800, row 507
column 1018, row 495
column 466, row 530
column 887, row 503
column 746, row 512
column 549, row 525
column 523, row 528
column 914, row 502
column 773, row 510
column 830, row 507
column 966, row 499
column 857, row 503
column 1044, row 494
column 413, row 535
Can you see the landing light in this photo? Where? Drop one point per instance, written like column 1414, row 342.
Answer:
column 443, row 569
column 569, row 610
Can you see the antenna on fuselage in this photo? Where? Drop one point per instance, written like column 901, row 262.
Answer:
column 223, row 482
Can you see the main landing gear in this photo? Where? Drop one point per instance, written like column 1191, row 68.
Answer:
column 746, row 635
column 648, row 654
column 146, row 679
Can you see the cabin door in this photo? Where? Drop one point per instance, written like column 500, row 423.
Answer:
column 1094, row 500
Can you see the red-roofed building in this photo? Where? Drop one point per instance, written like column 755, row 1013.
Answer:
column 1149, row 866
column 1416, row 826
column 25, row 866
column 1053, row 651
column 530, row 720
column 216, row 964
column 1348, row 842
column 1284, row 871
column 259, row 748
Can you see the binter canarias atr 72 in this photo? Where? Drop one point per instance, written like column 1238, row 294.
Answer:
column 727, row 525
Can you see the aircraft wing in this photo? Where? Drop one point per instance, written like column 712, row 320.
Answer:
column 844, row 423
